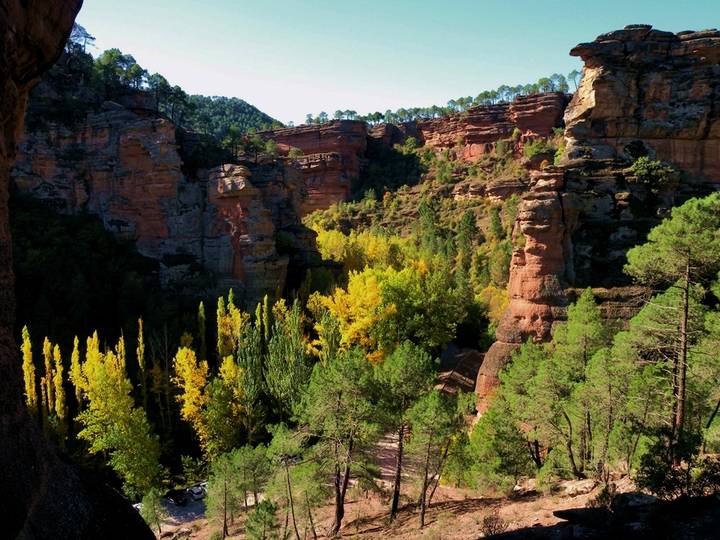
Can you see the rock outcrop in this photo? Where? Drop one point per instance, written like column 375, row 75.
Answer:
column 331, row 160
column 649, row 92
column 643, row 92
column 41, row 496
column 476, row 132
column 126, row 167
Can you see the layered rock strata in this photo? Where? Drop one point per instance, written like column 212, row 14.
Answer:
column 42, row 496
column 476, row 132
column 125, row 167
column 643, row 92
column 331, row 161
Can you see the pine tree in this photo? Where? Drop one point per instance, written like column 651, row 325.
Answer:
column 404, row 377
column 153, row 510
column 28, row 367
column 683, row 250
column 338, row 409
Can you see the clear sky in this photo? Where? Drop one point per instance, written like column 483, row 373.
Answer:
column 291, row 57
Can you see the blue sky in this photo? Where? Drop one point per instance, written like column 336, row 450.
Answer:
column 291, row 57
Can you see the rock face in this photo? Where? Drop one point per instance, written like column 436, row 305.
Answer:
column 644, row 92
column 333, row 153
column 476, row 132
column 42, row 496
column 125, row 167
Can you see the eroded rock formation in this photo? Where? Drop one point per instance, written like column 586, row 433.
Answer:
column 331, row 160
column 41, row 496
column 644, row 92
column 476, row 132
column 125, row 166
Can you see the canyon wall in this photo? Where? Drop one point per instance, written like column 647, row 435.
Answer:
column 643, row 92
column 126, row 166
column 331, row 160
column 42, row 496
column 476, row 132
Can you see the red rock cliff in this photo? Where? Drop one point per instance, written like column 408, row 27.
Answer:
column 644, row 92
column 332, row 158
column 125, row 167
column 41, row 496
column 476, row 132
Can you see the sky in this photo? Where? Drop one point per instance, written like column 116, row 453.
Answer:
column 293, row 57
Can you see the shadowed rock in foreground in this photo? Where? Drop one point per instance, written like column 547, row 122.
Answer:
column 41, row 496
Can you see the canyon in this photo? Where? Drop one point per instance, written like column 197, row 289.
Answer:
column 644, row 92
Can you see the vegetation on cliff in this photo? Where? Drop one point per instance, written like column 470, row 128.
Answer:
column 86, row 81
column 503, row 94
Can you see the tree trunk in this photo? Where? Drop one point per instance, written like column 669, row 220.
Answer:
column 290, row 500
column 425, row 483
column 340, row 490
column 225, row 527
column 310, row 518
column 679, row 419
column 438, row 471
column 571, row 456
column 710, row 421
column 398, row 473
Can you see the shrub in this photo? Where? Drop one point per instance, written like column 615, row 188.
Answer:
column 652, row 173
column 295, row 152
column 536, row 148
column 493, row 524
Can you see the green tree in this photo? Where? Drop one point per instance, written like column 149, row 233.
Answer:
column 262, row 522
column 338, row 409
column 435, row 419
column 152, row 509
column 286, row 369
column 682, row 251
column 404, row 376
column 222, row 498
column 113, row 425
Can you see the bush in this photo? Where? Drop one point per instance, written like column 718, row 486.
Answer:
column 295, row 152
column 493, row 524
column 652, row 173
column 537, row 148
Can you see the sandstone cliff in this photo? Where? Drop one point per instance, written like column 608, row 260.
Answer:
column 476, row 132
column 124, row 164
column 643, row 92
column 42, row 496
column 332, row 158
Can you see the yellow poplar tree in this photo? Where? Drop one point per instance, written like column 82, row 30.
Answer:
column 112, row 423
column 191, row 377
column 140, row 351
column 44, row 404
column 76, row 370
column 29, row 372
column 120, row 352
column 60, row 406
column 49, row 388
